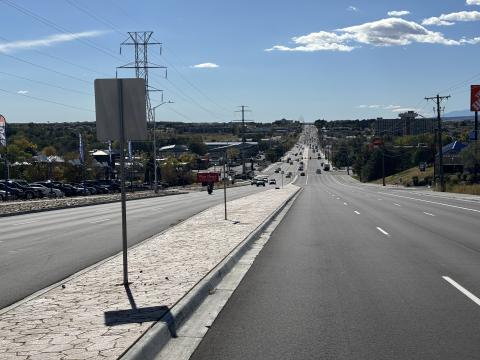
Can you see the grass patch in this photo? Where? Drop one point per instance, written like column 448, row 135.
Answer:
column 406, row 177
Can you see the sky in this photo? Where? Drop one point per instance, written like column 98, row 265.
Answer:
column 301, row 60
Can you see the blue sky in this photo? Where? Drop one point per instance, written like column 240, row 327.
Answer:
column 303, row 59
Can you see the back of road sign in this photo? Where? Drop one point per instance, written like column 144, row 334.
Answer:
column 108, row 104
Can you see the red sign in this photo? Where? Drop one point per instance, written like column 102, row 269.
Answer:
column 475, row 98
column 208, row 177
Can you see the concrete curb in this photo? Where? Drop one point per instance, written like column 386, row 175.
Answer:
column 154, row 339
column 83, row 205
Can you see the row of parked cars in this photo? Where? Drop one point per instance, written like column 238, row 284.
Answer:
column 22, row 190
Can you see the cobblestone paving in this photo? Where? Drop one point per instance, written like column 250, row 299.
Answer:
column 91, row 316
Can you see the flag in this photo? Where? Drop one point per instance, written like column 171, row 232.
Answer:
column 130, row 150
column 3, row 131
column 80, row 148
column 110, row 150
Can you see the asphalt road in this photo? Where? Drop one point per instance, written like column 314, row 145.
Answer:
column 359, row 272
column 40, row 249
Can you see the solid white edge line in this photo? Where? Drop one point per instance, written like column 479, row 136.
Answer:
column 460, row 288
column 99, row 221
column 383, row 231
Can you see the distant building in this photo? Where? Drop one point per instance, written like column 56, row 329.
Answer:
column 408, row 124
column 173, row 150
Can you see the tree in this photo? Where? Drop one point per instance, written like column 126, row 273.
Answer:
column 197, row 147
column 49, row 151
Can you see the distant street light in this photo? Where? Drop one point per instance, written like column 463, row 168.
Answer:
column 155, row 143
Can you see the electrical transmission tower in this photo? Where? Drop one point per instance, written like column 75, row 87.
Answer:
column 438, row 100
column 243, row 110
column 141, row 41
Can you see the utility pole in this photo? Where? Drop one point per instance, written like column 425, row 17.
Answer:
column 141, row 41
column 438, row 99
column 243, row 111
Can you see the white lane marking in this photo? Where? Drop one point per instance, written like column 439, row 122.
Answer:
column 356, row 212
column 465, row 292
column 98, row 221
column 345, row 203
column 338, row 198
column 383, row 231
column 397, row 204
column 25, row 222
column 429, row 214
column 306, row 180
column 434, row 202
column 379, row 199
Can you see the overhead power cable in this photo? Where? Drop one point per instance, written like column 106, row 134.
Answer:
column 48, row 101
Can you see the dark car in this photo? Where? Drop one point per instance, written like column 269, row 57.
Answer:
column 13, row 193
column 27, row 188
column 26, row 191
column 100, row 189
column 302, row 174
column 112, row 185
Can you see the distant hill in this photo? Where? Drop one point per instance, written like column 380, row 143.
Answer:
column 459, row 115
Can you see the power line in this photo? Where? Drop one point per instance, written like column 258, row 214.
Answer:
column 48, row 101
column 47, row 84
column 55, row 26
column 46, row 68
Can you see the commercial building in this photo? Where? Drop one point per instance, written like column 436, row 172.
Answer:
column 408, row 123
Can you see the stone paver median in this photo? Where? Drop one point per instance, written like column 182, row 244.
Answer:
column 91, row 316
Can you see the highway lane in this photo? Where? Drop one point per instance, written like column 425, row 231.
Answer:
column 40, row 249
column 354, row 273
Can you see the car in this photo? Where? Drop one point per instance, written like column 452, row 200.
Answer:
column 13, row 193
column 302, row 174
column 48, row 192
column 326, row 167
column 3, row 195
column 253, row 181
column 27, row 193
column 272, row 182
column 261, row 182
column 319, row 171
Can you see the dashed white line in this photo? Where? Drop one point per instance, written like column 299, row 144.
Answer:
column 464, row 291
column 429, row 214
column 357, row 212
column 397, row 204
column 98, row 221
column 25, row 222
column 346, row 204
column 338, row 198
column 379, row 199
column 383, row 231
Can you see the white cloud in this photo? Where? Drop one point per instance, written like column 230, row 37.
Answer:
column 450, row 19
column 383, row 107
column 401, row 110
column 22, row 92
column 207, row 65
column 353, row 8
column 398, row 13
column 9, row 47
column 473, row 2
column 385, row 32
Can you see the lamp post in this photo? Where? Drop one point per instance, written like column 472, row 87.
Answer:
column 155, row 143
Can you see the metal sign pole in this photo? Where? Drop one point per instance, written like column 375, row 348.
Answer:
column 225, row 184
column 122, row 181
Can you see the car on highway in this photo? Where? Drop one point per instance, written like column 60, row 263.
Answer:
column 302, row 174
column 261, row 182
column 326, row 167
column 272, row 182
column 318, row 171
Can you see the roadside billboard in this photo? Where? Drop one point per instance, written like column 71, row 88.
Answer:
column 475, row 98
